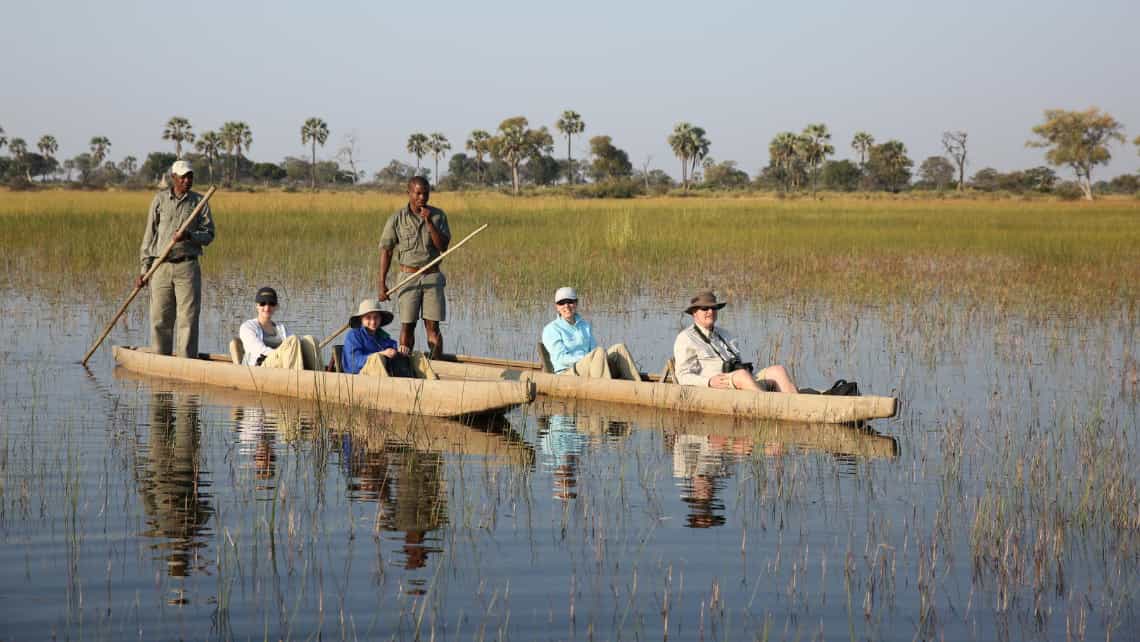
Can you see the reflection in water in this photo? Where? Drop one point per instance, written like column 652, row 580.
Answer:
column 564, row 439
column 171, row 484
column 702, row 463
column 257, row 435
column 408, row 486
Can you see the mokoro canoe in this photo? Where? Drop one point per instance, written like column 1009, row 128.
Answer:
column 442, row 398
column 824, row 409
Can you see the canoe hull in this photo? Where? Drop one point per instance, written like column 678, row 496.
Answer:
column 452, row 398
column 673, row 397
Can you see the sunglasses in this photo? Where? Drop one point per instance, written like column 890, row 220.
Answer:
column 705, row 308
column 568, row 302
column 269, row 303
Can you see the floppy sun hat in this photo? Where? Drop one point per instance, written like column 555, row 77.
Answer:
column 704, row 299
column 366, row 306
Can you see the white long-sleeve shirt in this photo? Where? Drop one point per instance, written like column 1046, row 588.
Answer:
column 696, row 361
column 253, row 340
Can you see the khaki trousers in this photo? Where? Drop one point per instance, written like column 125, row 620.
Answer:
column 295, row 353
column 614, row 363
column 377, row 366
column 175, row 303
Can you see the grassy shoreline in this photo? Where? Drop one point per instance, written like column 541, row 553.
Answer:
column 1020, row 253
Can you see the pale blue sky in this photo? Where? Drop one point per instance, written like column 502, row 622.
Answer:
column 742, row 70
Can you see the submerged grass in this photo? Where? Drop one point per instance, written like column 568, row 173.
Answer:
column 1029, row 255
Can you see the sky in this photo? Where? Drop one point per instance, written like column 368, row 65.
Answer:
column 743, row 71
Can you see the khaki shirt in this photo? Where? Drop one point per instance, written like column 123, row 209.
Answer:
column 167, row 213
column 409, row 235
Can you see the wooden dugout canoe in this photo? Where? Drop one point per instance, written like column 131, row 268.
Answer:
column 824, row 409
column 451, row 398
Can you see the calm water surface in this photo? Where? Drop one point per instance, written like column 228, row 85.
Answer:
column 1001, row 504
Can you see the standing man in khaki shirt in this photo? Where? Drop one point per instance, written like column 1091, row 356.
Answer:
column 418, row 234
column 176, row 286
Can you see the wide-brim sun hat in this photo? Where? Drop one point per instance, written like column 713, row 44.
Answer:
column 366, row 306
column 565, row 293
column 704, row 299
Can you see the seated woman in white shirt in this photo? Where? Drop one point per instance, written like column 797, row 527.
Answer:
column 704, row 355
column 268, row 344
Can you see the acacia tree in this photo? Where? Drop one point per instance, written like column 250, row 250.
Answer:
column 955, row 145
column 178, row 130
column 479, row 143
column 862, row 143
column 570, row 124
column 438, row 145
column 1078, row 139
column 208, row 145
column 815, row 147
column 418, row 147
column 516, row 142
column 690, row 145
column 315, row 131
column 48, row 146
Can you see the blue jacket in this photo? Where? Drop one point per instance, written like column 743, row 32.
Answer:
column 567, row 343
column 360, row 343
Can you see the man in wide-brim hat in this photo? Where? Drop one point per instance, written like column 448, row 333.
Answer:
column 369, row 350
column 705, row 355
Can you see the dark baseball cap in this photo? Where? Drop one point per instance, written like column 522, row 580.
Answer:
column 266, row 295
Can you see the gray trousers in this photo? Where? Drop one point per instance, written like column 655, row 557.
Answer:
column 175, row 303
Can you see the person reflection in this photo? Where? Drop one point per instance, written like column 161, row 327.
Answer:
column 703, row 463
column 562, row 446
column 172, row 483
column 256, row 437
column 408, row 485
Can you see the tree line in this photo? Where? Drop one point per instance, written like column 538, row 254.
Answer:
column 516, row 154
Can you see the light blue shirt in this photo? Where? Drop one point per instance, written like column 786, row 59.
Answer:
column 567, row 343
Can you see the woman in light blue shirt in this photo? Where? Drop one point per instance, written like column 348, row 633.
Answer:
column 569, row 340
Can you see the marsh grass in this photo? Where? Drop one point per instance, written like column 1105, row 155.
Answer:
column 1029, row 255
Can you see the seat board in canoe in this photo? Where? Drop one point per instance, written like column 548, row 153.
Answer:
column 670, row 396
column 442, row 398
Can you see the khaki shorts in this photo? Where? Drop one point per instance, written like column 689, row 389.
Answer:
column 422, row 298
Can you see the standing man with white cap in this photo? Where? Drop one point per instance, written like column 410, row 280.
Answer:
column 569, row 340
column 176, row 286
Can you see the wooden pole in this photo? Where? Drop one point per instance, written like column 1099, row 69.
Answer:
column 146, row 278
column 401, row 284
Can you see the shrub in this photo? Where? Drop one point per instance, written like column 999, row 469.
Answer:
column 1068, row 191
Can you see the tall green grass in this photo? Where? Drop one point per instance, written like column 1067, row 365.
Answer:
column 1026, row 254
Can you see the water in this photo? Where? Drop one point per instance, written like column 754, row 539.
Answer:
column 1001, row 503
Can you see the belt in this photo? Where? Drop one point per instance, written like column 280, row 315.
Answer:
column 181, row 259
column 411, row 270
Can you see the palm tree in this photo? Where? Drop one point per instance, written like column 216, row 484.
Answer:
column 690, row 145
column 570, row 124
column 784, row 151
column 816, row 147
column 862, row 144
column 315, row 131
column 417, row 146
column 48, row 146
column 208, row 145
column 100, row 145
column 479, row 143
column 516, row 142
column 19, row 148
column 236, row 135
column 438, row 145
column 178, row 130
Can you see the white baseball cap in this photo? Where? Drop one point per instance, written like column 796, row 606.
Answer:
column 181, row 168
column 565, row 293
